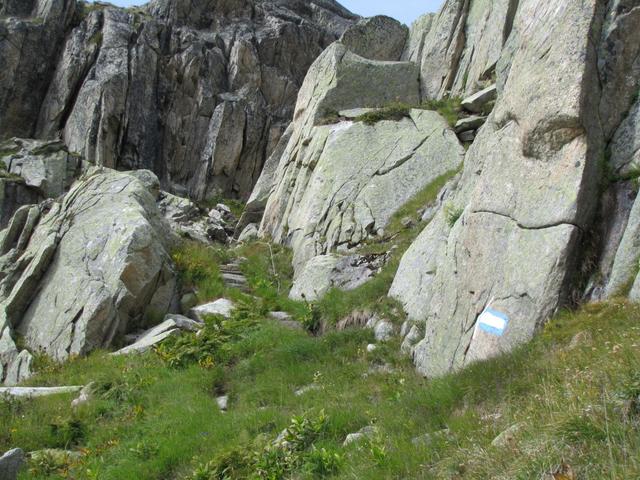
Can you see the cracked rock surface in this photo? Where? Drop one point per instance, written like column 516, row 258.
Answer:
column 529, row 189
column 76, row 273
column 336, row 185
column 198, row 91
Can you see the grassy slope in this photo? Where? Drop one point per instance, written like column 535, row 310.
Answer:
column 151, row 421
column 162, row 422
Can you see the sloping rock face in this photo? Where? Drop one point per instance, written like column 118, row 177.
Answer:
column 198, row 91
column 76, row 273
column 31, row 33
column 336, row 185
column 458, row 48
column 530, row 191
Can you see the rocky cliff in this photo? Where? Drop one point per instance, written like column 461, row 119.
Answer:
column 543, row 215
column 197, row 91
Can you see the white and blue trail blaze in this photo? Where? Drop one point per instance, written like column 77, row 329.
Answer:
column 493, row 322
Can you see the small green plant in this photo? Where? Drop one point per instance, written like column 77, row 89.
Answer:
column 378, row 451
column 210, row 346
column 46, row 464
column 198, row 268
column 145, row 449
column 322, row 462
column 449, row 108
column 68, row 433
column 452, row 214
column 394, row 111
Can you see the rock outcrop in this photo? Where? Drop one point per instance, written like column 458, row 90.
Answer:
column 31, row 171
column 197, row 91
column 338, row 180
column 530, row 191
column 458, row 48
column 77, row 273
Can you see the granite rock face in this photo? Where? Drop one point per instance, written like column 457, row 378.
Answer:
column 33, row 170
column 338, row 182
column 530, row 188
column 198, row 91
column 31, row 35
column 77, row 273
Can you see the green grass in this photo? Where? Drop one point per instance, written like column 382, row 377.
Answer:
column 449, row 108
column 372, row 296
column 154, row 416
column 152, row 421
column 394, row 112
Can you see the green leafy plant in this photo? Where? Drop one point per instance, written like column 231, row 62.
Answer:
column 67, row 433
column 322, row 462
column 212, row 344
column 452, row 214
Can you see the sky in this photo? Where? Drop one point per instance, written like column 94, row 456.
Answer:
column 404, row 10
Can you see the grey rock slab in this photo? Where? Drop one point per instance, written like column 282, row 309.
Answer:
column 365, row 433
column 444, row 38
column 172, row 325
column 467, row 136
column 469, row 123
column 324, row 272
column 19, row 369
column 32, row 392
column 626, row 266
column 478, row 102
column 343, row 187
column 223, row 402
column 218, row 69
column 221, row 307
column 11, row 463
column 383, row 331
column 249, row 233
column 417, row 36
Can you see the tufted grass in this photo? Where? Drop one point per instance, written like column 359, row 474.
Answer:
column 164, row 423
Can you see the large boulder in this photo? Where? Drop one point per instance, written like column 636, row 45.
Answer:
column 77, row 273
column 324, row 272
column 376, row 38
column 508, row 240
column 338, row 184
column 197, row 91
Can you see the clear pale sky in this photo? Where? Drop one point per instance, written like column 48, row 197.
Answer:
column 404, row 10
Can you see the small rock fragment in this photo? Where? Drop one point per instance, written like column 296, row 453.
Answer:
column 509, row 437
column 363, row 434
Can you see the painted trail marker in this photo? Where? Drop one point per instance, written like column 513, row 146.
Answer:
column 493, row 322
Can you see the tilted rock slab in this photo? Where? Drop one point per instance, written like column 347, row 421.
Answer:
column 337, row 185
column 197, row 91
column 78, row 272
column 529, row 190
